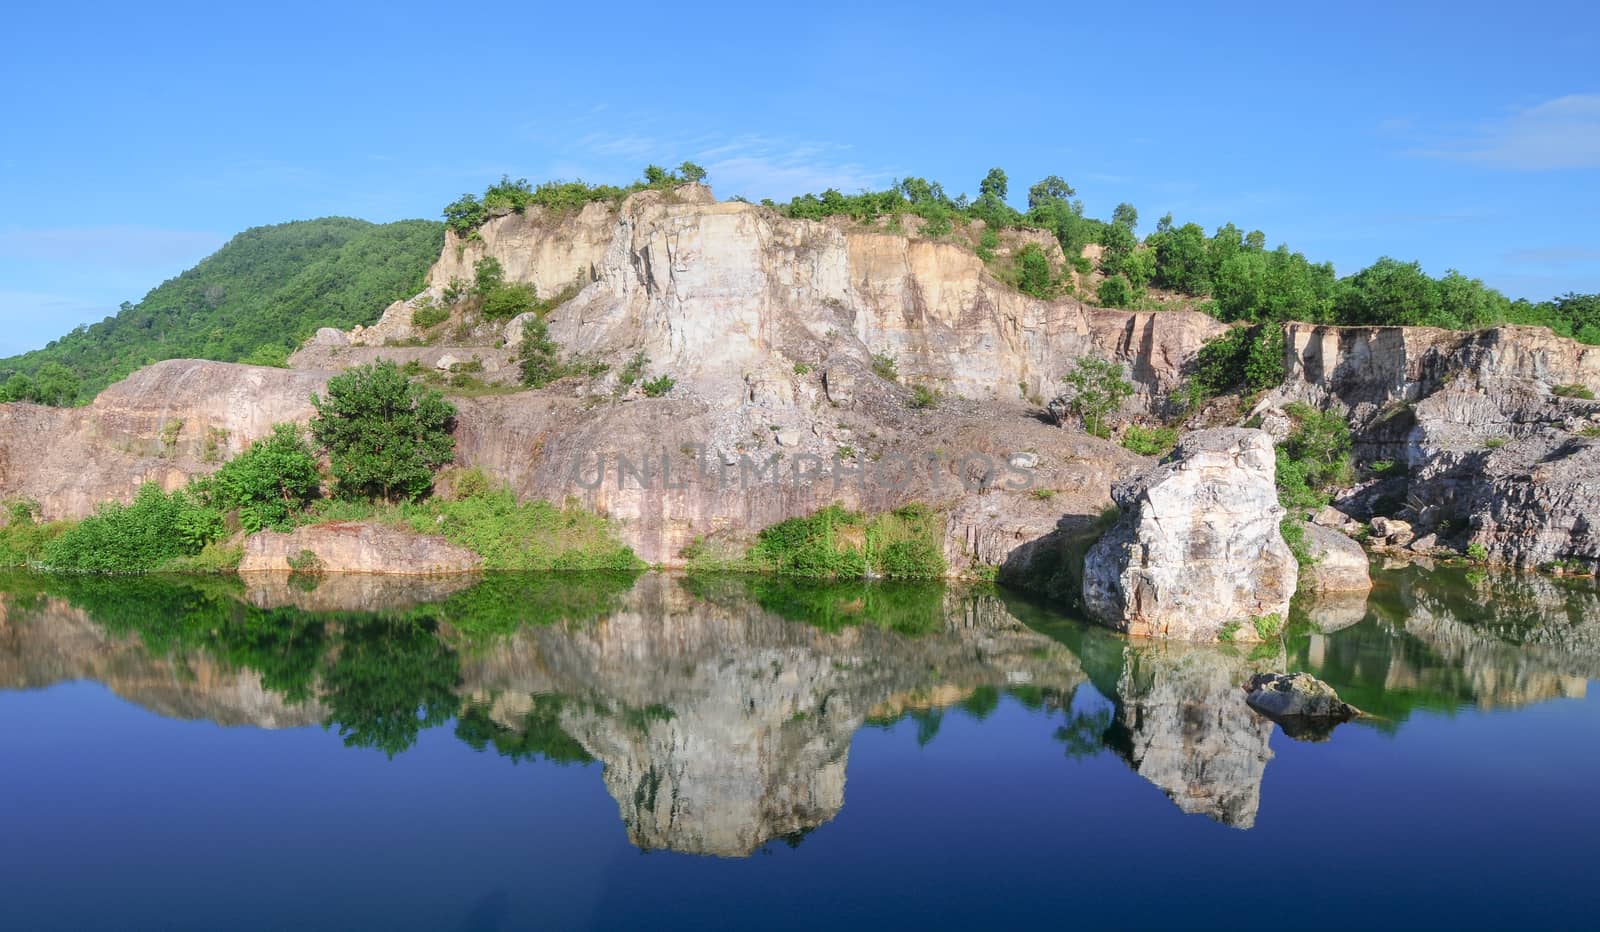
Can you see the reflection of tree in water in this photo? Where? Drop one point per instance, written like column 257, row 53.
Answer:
column 538, row 735
column 1084, row 734
column 388, row 680
column 381, row 677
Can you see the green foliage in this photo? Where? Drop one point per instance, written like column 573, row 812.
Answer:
column 428, row 315
column 256, row 298
column 533, row 535
column 22, row 537
column 1114, row 292
column 1247, row 359
column 384, row 434
column 136, row 538
column 305, row 562
column 633, row 370
column 1494, row 443
column 1268, row 626
column 801, row 368
column 1098, row 392
column 837, row 543
column 883, row 365
column 538, row 736
column 1293, row 529
column 1572, row 391
column 1033, row 272
column 465, row 214
column 658, row 386
column 269, row 484
column 53, row 384
column 1477, row 553
column 539, row 356
column 1149, row 441
column 1314, row 459
column 923, row 398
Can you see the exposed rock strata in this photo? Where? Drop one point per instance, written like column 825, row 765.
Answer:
column 1491, row 425
column 352, row 547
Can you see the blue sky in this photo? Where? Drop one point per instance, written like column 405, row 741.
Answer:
column 136, row 138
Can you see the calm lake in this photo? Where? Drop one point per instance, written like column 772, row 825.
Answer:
column 572, row 751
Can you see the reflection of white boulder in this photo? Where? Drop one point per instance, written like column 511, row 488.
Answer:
column 723, row 727
column 1182, row 724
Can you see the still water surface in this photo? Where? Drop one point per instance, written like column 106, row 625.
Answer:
column 573, row 751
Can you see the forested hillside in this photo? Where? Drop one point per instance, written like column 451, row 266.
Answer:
column 253, row 300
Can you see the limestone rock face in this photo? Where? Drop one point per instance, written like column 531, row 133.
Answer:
column 1197, row 545
column 1492, row 425
column 350, row 547
column 1338, row 563
column 768, row 327
column 166, row 423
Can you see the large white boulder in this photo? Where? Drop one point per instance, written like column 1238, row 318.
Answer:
column 1197, row 552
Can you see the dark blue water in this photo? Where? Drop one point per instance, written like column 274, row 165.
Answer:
column 731, row 754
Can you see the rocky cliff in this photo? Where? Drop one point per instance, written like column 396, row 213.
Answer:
column 769, row 327
column 1497, row 429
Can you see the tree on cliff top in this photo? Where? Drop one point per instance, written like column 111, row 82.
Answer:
column 384, row 434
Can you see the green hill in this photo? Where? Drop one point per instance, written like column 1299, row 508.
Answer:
column 253, row 300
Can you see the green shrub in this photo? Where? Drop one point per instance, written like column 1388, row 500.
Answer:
column 1268, row 626
column 837, row 543
column 1149, row 441
column 1114, row 291
column 269, row 484
column 523, row 536
column 1248, row 359
column 1099, row 390
column 633, row 370
column 1572, row 391
column 1315, row 458
column 1033, row 272
column 305, row 562
column 923, row 398
column 23, row 538
column 656, row 387
column 384, row 434
column 1477, row 553
column 136, row 538
column 1293, row 529
column 428, row 314
column 801, row 368
column 1494, row 443
column 883, row 365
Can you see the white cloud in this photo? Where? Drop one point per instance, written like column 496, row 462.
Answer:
column 1563, row 133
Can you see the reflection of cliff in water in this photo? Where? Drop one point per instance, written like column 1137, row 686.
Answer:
column 722, row 725
column 46, row 640
column 1443, row 638
column 723, row 708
